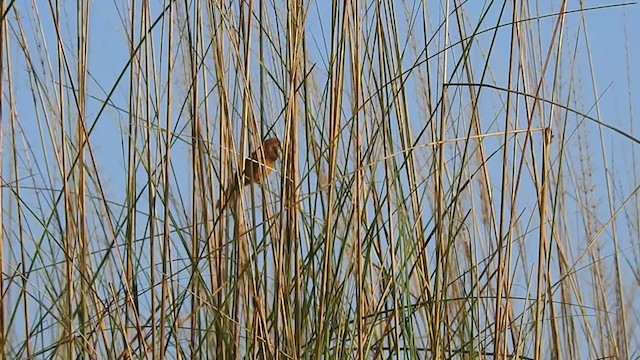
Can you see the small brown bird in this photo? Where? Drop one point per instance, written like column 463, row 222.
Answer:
column 256, row 168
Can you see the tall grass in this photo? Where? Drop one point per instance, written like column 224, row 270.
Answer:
column 458, row 180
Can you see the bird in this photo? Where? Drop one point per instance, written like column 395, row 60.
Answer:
column 256, row 168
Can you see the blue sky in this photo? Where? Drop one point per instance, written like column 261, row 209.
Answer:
column 612, row 33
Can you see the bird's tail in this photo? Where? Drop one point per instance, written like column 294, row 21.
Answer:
column 230, row 195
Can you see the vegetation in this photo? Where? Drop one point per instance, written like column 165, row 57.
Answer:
column 458, row 180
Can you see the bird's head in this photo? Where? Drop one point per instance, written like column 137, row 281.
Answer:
column 272, row 149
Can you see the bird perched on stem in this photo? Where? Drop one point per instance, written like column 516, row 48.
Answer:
column 256, row 168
